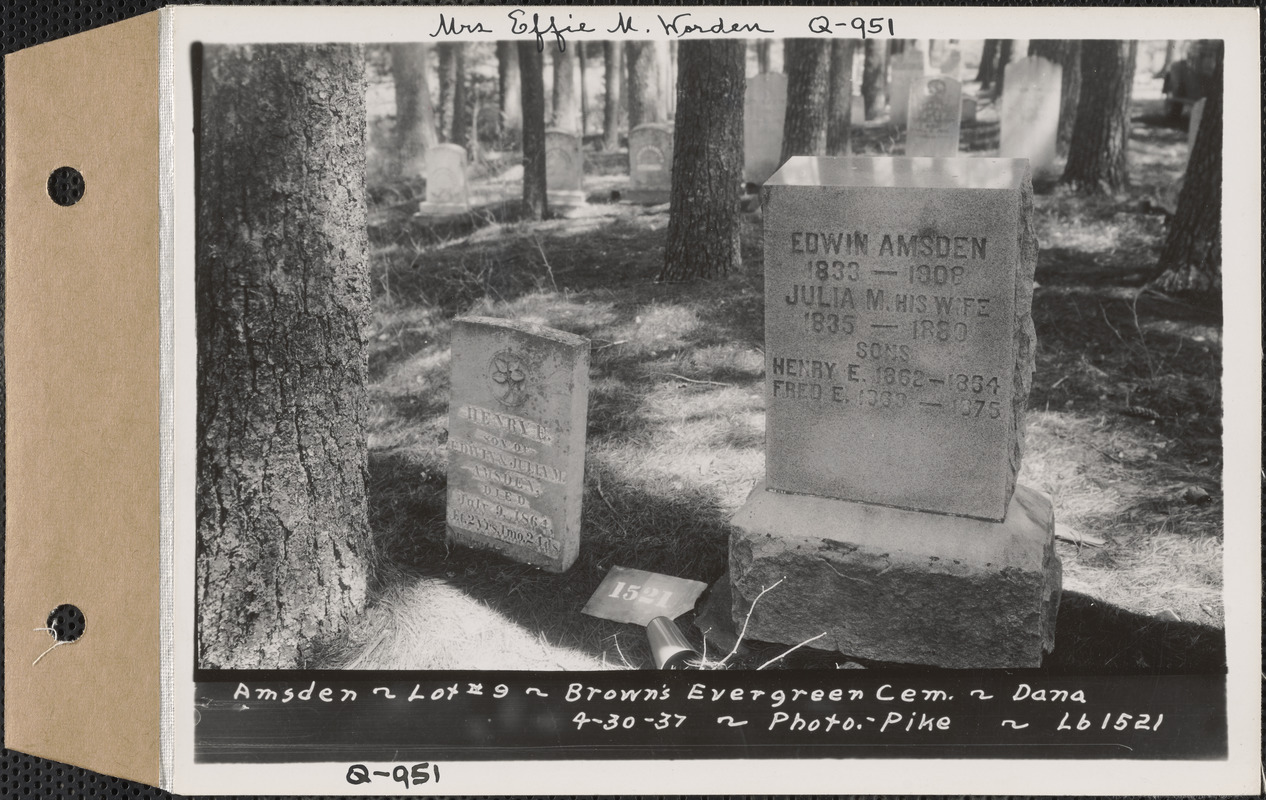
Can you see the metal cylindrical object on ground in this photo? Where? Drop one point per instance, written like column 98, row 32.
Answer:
column 668, row 646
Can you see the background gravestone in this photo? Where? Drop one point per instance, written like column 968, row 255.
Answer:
column 446, row 189
column 951, row 65
column 564, row 169
column 907, row 66
column 936, row 109
column 650, row 163
column 1029, row 117
column 764, row 110
column 516, row 439
column 899, row 356
column 969, row 111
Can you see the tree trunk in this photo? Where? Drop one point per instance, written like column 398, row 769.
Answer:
column 807, row 63
column 762, row 56
column 1097, row 155
column 643, row 89
column 461, row 103
column 988, row 63
column 703, row 220
column 1000, row 72
column 840, row 104
column 875, row 78
column 509, row 90
column 1191, row 261
column 444, row 108
column 415, row 119
column 584, row 92
column 1171, row 46
column 532, row 83
column 1066, row 53
column 282, row 294
column 611, row 53
column 566, row 109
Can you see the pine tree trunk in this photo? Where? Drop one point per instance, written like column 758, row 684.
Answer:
column 444, row 108
column 584, row 93
column 611, row 53
column 532, row 84
column 807, row 63
column 643, row 87
column 1066, row 53
column 988, row 64
column 282, row 294
column 840, row 105
column 509, row 92
column 703, row 220
column 1191, row 260
column 875, row 78
column 566, row 109
column 415, row 119
column 1098, row 161
column 762, row 56
column 462, row 133
column 1000, row 72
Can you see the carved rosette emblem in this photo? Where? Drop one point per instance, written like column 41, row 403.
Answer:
column 508, row 375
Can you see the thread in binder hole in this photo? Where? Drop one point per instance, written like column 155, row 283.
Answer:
column 66, row 624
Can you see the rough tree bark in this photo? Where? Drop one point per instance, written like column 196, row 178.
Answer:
column 415, row 118
column 988, row 63
column 447, row 70
column 875, row 78
column 282, row 296
column 762, row 56
column 1000, row 72
column 643, row 102
column 1097, row 155
column 1066, row 53
column 703, row 220
column 509, row 91
column 583, row 64
column 1191, row 260
column 611, row 53
column 566, row 116
column 807, row 63
column 532, row 85
column 462, row 126
column 840, row 103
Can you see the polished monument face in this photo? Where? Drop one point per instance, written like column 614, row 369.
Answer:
column 899, row 342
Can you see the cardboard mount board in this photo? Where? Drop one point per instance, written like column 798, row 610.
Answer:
column 98, row 337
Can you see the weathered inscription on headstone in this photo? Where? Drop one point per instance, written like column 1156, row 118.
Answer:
column 446, row 188
column 934, row 117
column 516, row 439
column 1029, row 121
column 898, row 330
column 564, row 169
column 764, row 110
column 907, row 66
column 650, row 163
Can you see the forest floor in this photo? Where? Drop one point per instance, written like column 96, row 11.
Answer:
column 1124, row 430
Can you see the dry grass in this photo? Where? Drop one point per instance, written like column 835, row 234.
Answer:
column 1125, row 421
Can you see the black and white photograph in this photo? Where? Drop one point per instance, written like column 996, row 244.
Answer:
column 622, row 358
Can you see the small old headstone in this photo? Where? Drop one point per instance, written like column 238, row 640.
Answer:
column 899, row 357
column 907, row 66
column 516, row 439
column 764, row 111
column 969, row 109
column 650, row 163
column 446, row 188
column 564, row 169
column 1029, row 117
column 935, row 113
column 951, row 65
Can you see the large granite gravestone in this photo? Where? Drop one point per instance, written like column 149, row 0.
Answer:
column 1029, row 117
column 650, row 163
column 446, row 189
column 516, row 439
column 764, row 111
column 907, row 66
column 935, row 116
column 564, row 169
column 899, row 357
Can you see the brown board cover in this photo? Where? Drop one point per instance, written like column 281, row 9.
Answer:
column 82, row 348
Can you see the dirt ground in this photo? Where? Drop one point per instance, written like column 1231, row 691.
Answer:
column 1124, row 430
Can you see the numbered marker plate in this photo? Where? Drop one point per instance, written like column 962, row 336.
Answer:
column 634, row 595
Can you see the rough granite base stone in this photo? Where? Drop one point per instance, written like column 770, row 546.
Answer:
column 898, row 586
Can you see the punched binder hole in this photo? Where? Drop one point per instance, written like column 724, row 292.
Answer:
column 66, row 186
column 67, row 622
